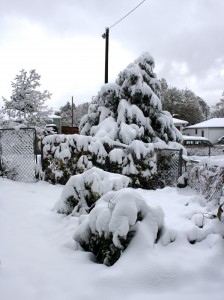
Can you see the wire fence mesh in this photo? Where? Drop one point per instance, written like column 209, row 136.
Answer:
column 169, row 165
column 207, row 179
column 17, row 154
column 205, row 151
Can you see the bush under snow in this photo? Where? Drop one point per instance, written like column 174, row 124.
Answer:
column 82, row 191
column 116, row 219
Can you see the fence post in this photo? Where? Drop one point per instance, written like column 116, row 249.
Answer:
column 35, row 144
column 42, row 156
column 180, row 161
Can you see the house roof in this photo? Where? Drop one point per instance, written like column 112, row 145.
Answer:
column 54, row 117
column 212, row 123
column 178, row 121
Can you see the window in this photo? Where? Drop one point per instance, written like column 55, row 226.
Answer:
column 202, row 133
column 196, row 131
column 207, row 143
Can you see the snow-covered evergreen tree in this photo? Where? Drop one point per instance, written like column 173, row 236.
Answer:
column 122, row 132
column 132, row 107
column 27, row 102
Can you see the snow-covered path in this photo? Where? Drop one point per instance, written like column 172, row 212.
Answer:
column 38, row 261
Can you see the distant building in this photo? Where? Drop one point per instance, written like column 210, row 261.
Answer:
column 179, row 124
column 212, row 129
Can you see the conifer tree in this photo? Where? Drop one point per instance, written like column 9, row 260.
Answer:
column 124, row 131
column 134, row 104
column 27, row 102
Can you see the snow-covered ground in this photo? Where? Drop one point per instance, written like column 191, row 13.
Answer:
column 41, row 261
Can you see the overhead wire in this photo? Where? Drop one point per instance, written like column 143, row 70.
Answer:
column 127, row 14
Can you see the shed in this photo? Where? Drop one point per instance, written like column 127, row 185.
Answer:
column 211, row 129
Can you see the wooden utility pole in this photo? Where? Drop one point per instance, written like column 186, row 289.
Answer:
column 72, row 112
column 106, row 37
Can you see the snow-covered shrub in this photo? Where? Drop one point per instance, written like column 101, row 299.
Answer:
column 82, row 191
column 64, row 156
column 114, row 221
column 68, row 155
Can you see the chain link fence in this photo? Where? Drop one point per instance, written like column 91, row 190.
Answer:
column 205, row 151
column 17, row 154
column 169, row 165
column 207, row 179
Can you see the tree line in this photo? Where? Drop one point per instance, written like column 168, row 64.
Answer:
column 28, row 104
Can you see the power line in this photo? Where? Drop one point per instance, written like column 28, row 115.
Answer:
column 127, row 14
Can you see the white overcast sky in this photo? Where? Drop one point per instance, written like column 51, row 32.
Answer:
column 62, row 40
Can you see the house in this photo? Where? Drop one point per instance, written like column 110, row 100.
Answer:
column 212, row 129
column 179, row 124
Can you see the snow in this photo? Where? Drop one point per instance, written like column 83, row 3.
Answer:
column 194, row 138
column 215, row 122
column 41, row 261
column 179, row 121
column 107, row 128
column 54, row 117
column 116, row 213
column 98, row 182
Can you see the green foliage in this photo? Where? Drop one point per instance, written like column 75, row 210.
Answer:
column 183, row 103
column 72, row 202
column 90, row 196
column 103, row 248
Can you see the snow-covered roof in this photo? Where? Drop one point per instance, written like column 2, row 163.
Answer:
column 212, row 123
column 54, row 117
column 194, row 138
column 179, row 121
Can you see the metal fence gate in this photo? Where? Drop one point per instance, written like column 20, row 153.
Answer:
column 17, row 154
